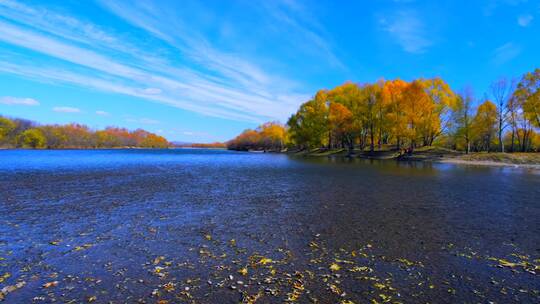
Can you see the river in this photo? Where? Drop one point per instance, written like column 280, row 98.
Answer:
column 214, row 226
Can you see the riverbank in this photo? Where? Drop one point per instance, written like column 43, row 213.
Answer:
column 434, row 154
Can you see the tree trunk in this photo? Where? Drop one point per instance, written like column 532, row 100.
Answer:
column 501, row 144
column 513, row 138
column 372, row 144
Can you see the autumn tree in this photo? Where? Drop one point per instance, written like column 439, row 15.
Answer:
column 340, row 121
column 528, row 92
column 7, row 126
column 151, row 140
column 438, row 116
column 392, row 95
column 32, row 138
column 371, row 101
column 273, row 136
column 28, row 134
column 485, row 124
column 417, row 107
column 247, row 140
column 349, row 95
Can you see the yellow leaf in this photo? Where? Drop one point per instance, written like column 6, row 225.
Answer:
column 50, row 284
column 264, row 261
column 334, row 267
column 243, row 271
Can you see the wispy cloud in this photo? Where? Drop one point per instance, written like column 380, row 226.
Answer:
column 8, row 100
column 525, row 20
column 205, row 80
column 310, row 32
column 505, row 53
column 146, row 121
column 152, row 91
column 408, row 30
column 66, row 110
column 102, row 113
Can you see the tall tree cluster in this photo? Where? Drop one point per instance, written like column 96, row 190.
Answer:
column 395, row 114
column 373, row 115
column 22, row 133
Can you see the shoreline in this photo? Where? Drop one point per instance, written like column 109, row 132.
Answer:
column 486, row 163
column 434, row 155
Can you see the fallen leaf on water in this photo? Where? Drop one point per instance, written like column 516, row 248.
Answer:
column 379, row 285
column 243, row 271
column 5, row 276
column 361, row 269
column 264, row 261
column 335, row 289
column 11, row 288
column 50, row 284
column 158, row 259
column 169, row 287
column 334, row 267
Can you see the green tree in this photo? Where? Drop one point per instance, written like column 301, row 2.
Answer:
column 309, row 126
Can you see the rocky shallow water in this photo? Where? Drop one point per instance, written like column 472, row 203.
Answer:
column 207, row 226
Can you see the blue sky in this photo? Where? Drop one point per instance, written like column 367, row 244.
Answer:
column 202, row 71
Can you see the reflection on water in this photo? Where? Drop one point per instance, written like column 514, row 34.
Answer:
column 78, row 217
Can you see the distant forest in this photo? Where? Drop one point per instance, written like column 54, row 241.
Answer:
column 22, row 133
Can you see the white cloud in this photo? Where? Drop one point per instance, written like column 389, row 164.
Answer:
column 209, row 82
column 525, row 20
column 408, row 30
column 102, row 113
column 66, row 110
column 8, row 100
column 505, row 53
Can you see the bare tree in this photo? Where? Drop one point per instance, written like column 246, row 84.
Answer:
column 501, row 91
column 463, row 116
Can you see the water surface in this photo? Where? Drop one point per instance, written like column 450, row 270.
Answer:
column 183, row 225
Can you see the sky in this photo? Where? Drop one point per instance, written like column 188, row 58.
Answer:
column 203, row 71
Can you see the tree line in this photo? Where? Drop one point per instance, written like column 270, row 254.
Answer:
column 402, row 116
column 22, row 133
column 271, row 136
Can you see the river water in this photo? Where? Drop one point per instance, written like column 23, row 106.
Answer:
column 213, row 226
